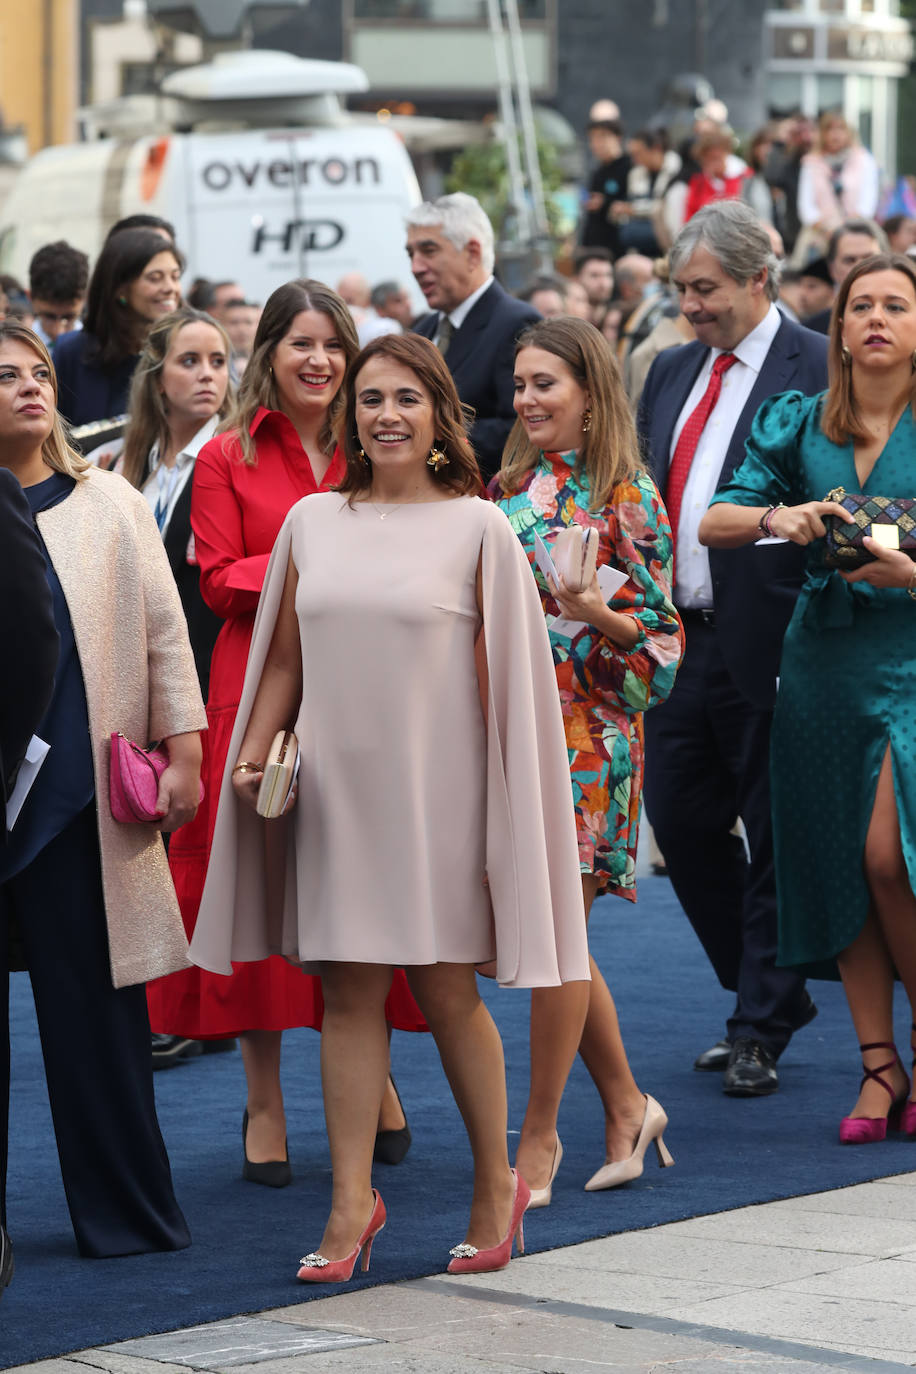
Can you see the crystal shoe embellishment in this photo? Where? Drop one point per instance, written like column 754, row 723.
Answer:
column 463, row 1251
column 313, row 1261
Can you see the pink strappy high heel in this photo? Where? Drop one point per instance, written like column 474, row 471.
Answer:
column 868, row 1130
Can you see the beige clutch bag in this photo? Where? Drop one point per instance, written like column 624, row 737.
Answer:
column 280, row 768
column 575, row 554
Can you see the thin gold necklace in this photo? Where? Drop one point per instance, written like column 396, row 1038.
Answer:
column 384, row 514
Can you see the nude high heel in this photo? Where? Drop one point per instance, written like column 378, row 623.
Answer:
column 467, row 1259
column 316, row 1269
column 540, row 1197
column 613, row 1173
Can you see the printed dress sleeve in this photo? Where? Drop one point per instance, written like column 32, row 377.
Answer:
column 641, row 544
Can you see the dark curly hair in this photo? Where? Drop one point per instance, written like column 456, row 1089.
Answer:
column 58, row 272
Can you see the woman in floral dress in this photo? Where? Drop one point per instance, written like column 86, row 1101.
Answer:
column 573, row 459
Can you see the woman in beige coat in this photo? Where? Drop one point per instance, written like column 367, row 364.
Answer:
column 91, row 901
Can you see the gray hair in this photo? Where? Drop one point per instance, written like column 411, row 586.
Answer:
column 867, row 227
column 735, row 235
column 461, row 218
column 383, row 292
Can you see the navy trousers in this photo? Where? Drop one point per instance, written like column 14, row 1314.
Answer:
column 95, row 1041
column 707, row 763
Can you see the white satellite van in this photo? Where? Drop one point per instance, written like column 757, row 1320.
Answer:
column 255, row 204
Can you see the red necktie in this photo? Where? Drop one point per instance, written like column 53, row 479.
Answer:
column 679, row 470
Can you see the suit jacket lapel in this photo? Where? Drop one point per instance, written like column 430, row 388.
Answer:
column 478, row 318
column 776, row 375
column 179, row 527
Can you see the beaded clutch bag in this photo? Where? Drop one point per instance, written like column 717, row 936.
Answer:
column 890, row 520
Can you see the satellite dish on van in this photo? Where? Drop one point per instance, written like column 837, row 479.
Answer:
column 262, row 74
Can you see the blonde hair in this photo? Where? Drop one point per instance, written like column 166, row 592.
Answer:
column 148, row 416
column 608, row 452
column 258, row 387
column 840, row 418
column 56, row 450
column 826, row 121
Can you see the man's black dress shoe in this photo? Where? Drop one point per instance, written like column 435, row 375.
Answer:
column 714, row 1060
column 751, row 1070
column 168, row 1049
column 6, row 1260
column 807, row 1013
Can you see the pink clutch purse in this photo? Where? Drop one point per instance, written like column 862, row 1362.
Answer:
column 133, row 780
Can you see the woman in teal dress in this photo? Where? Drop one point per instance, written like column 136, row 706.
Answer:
column 572, row 460
column 844, row 733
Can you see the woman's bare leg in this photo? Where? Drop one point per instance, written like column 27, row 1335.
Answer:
column 577, row 1017
column 354, row 1069
column 266, row 1139
column 887, row 940
column 472, row 1057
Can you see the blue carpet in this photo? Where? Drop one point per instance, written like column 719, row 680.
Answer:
column 247, row 1239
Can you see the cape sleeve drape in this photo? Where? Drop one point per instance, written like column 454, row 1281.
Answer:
column 532, row 852
column 249, row 907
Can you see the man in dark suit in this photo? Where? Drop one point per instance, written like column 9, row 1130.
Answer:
column 474, row 322
column 29, row 637
column 707, row 748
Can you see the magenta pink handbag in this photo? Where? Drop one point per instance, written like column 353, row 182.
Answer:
column 133, row 780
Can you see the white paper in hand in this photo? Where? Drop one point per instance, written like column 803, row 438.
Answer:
column 35, row 755
column 610, row 580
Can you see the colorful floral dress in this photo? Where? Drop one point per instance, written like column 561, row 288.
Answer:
column 604, row 689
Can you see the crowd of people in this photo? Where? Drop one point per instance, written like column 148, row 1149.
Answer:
column 490, row 574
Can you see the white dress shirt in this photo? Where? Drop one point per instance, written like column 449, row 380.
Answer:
column 165, row 484
column 461, row 312
column 693, row 586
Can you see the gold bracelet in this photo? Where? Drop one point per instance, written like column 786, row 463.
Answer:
column 911, row 589
column 243, row 767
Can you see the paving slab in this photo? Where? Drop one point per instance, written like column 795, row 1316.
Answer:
column 600, row 1286
column 801, row 1229
column 880, row 1280
column 863, row 1199
column 239, row 1341
column 882, row 1329
column 665, row 1253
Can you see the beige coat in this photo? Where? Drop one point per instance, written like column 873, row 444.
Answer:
column 139, row 674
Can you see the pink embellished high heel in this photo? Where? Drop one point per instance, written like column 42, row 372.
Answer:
column 908, row 1115
column 467, row 1259
column 317, row 1269
column 868, row 1130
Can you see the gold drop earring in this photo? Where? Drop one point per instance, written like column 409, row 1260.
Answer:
column 437, row 459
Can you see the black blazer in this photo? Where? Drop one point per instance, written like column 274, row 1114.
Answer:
column 481, row 359
column 85, row 390
column 755, row 587
column 203, row 625
column 28, row 635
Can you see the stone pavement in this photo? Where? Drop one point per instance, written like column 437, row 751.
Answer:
column 805, row 1286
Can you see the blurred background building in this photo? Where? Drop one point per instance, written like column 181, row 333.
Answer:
column 436, row 57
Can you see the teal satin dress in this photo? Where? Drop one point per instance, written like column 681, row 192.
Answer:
column 847, row 690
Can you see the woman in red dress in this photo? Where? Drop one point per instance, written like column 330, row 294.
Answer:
column 277, row 448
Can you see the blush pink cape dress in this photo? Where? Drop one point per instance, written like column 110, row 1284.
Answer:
column 406, row 797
